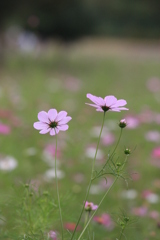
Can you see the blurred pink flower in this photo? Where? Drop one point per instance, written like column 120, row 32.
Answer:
column 154, row 214
column 153, row 136
column 89, row 206
column 156, row 152
column 104, row 220
column 53, row 235
column 71, row 226
column 109, row 103
column 50, row 149
column 108, row 139
column 4, row 129
column 153, row 84
column 132, row 121
column 140, row 211
column 52, row 122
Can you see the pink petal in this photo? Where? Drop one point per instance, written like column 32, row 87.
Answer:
column 61, row 115
column 44, row 131
column 43, row 117
column 63, row 127
column 114, row 110
column 56, row 130
column 123, row 108
column 99, row 110
column 96, row 100
column 120, row 103
column 52, row 114
column 93, row 105
column 64, row 120
column 52, row 132
column 118, row 109
column 40, row 125
column 94, row 207
column 110, row 100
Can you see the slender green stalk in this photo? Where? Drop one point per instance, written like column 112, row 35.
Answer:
column 121, row 233
column 101, row 171
column 90, row 182
column 60, row 213
column 97, row 208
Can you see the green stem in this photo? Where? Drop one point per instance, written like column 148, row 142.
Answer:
column 58, row 189
column 97, row 208
column 111, row 154
column 121, row 234
column 90, row 182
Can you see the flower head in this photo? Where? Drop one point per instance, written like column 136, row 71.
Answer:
column 52, row 122
column 122, row 123
column 89, row 206
column 109, row 103
column 53, row 235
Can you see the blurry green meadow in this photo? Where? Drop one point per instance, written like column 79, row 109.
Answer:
column 58, row 76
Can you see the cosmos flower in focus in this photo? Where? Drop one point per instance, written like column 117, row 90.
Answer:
column 52, row 122
column 109, row 103
column 89, row 206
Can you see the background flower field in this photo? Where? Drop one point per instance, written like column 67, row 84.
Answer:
column 60, row 76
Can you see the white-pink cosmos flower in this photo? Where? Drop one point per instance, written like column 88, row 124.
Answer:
column 89, row 206
column 52, row 122
column 109, row 103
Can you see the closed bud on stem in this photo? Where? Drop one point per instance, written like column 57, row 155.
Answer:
column 118, row 164
column 122, row 123
column 127, row 151
column 126, row 219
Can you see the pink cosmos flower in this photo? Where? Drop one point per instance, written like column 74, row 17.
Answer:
column 109, row 103
column 89, row 206
column 53, row 235
column 140, row 211
column 52, row 122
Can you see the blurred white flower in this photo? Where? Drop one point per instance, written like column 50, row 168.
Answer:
column 129, row 194
column 50, row 174
column 31, row 151
column 90, row 153
column 8, row 163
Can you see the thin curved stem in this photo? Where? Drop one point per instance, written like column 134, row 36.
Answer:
column 90, row 182
column 97, row 209
column 111, row 154
column 59, row 205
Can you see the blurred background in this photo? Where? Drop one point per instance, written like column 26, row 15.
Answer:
column 52, row 53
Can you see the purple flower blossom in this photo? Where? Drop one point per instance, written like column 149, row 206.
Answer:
column 53, row 235
column 89, row 206
column 52, row 122
column 109, row 103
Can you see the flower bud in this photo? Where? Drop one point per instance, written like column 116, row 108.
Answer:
column 122, row 123
column 31, row 194
column 126, row 219
column 118, row 164
column 127, row 151
column 26, row 185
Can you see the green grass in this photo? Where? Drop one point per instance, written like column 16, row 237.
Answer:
column 31, row 83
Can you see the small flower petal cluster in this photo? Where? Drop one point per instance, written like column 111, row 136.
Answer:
column 89, row 206
column 109, row 103
column 52, row 122
column 53, row 235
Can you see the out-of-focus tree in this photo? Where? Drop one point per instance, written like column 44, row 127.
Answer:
column 70, row 19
